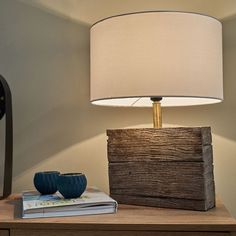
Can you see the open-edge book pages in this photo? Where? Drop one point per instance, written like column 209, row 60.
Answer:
column 92, row 201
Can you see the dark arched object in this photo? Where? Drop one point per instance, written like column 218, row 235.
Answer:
column 6, row 109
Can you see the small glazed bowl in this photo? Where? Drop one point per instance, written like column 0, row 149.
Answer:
column 71, row 185
column 46, row 182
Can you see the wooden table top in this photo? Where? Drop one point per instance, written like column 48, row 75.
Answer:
column 127, row 218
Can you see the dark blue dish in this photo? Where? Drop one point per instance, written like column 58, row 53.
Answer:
column 46, row 182
column 71, row 185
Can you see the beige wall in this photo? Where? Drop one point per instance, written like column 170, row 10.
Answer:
column 45, row 59
column 90, row 11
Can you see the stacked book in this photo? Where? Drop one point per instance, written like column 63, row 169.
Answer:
column 92, row 201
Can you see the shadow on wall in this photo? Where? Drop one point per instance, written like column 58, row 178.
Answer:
column 46, row 62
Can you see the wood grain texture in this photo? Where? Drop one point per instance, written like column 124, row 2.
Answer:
column 165, row 144
column 128, row 218
column 137, row 152
column 168, row 167
column 162, row 136
column 160, row 179
column 113, row 233
column 4, row 233
column 177, row 203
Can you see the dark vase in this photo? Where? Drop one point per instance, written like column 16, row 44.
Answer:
column 46, row 182
column 71, row 185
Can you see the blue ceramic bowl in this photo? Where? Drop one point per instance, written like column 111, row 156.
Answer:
column 71, row 185
column 46, row 182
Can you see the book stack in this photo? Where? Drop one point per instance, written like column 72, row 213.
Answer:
column 92, row 201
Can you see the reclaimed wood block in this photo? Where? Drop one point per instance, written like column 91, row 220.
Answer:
column 167, row 167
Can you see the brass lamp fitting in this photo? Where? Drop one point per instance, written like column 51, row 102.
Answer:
column 157, row 116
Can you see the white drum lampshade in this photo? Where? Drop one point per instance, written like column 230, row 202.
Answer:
column 173, row 55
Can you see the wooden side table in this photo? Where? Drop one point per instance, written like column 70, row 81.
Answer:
column 129, row 220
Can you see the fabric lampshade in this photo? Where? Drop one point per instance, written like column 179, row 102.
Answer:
column 173, row 55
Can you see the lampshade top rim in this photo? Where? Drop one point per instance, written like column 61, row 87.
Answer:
column 152, row 11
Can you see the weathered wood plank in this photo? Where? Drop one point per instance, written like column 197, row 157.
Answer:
column 168, row 167
column 178, row 203
column 160, row 179
column 4, row 232
column 163, row 136
column 130, row 152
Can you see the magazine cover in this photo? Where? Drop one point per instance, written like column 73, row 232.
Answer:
column 92, row 201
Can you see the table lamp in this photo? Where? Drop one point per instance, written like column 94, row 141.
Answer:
column 151, row 59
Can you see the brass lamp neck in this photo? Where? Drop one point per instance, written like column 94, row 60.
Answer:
column 157, row 114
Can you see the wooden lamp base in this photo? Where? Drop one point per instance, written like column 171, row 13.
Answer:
column 167, row 167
